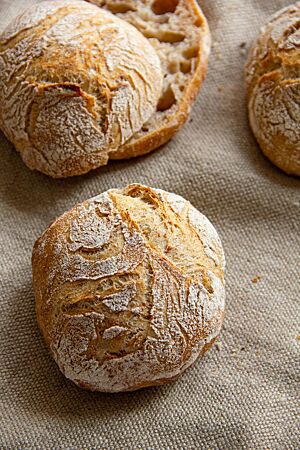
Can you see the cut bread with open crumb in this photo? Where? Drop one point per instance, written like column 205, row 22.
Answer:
column 179, row 32
column 80, row 86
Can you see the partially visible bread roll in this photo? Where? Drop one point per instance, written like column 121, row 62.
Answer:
column 129, row 288
column 76, row 83
column 273, row 85
column 179, row 32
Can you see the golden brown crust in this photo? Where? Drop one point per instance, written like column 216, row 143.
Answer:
column 273, row 89
column 129, row 288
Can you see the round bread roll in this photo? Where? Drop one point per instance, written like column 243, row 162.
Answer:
column 273, row 85
column 129, row 288
column 76, row 82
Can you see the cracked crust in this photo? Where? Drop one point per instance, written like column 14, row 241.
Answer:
column 129, row 288
column 273, row 88
column 80, row 86
column 76, row 83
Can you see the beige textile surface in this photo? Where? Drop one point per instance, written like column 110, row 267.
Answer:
column 242, row 396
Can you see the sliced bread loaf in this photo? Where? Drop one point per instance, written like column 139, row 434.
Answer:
column 179, row 32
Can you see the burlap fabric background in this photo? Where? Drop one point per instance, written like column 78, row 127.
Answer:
column 242, row 395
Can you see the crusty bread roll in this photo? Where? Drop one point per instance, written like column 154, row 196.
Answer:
column 273, row 84
column 80, row 86
column 179, row 32
column 129, row 288
column 76, row 82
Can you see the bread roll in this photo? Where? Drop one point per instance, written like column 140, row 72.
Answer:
column 179, row 32
column 129, row 288
column 76, row 83
column 273, row 85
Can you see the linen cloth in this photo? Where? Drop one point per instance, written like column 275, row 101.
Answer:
column 245, row 393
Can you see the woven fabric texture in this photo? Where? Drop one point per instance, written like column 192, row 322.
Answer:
column 243, row 395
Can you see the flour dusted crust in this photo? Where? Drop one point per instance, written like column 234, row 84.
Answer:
column 273, row 84
column 129, row 288
column 76, row 83
column 178, row 31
